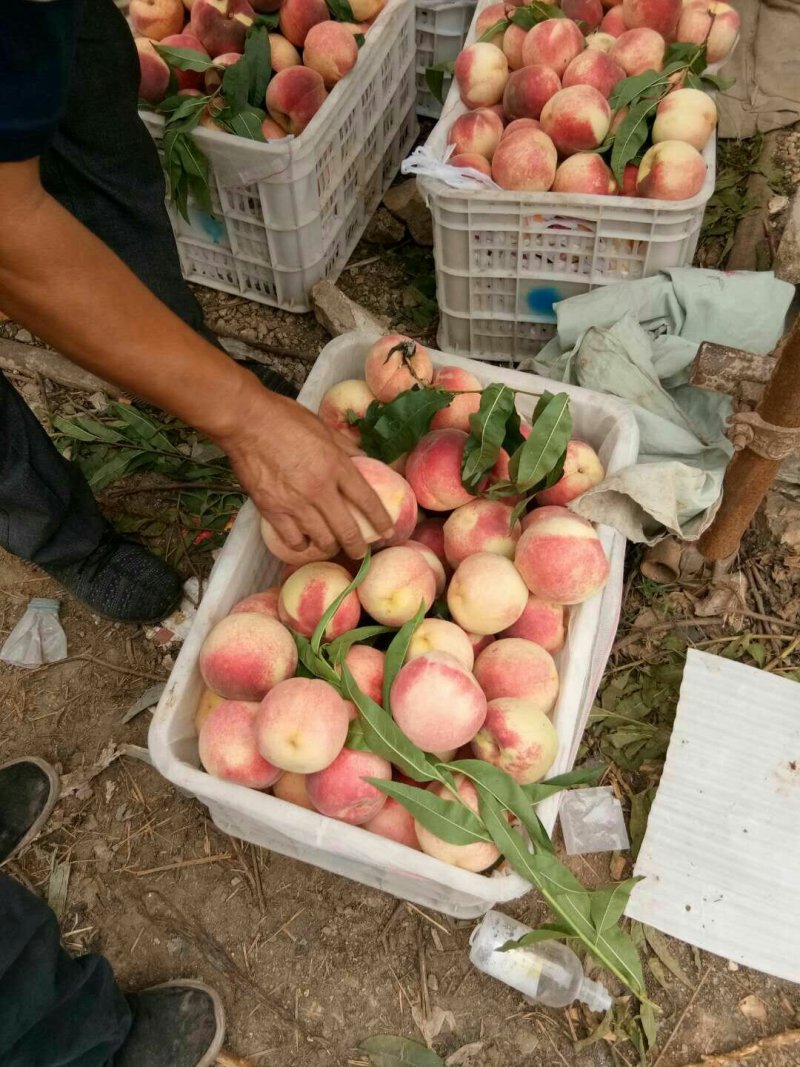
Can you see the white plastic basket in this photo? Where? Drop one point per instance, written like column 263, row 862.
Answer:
column 441, row 30
column 244, row 566
column 290, row 212
column 504, row 258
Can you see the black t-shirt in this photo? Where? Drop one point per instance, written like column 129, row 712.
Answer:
column 37, row 47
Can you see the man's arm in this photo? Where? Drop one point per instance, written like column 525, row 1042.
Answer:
column 69, row 288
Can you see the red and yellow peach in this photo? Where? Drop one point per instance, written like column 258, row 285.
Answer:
column 659, row 15
column 525, row 161
column 685, row 115
column 434, row 470
column 153, row 72
column 480, row 526
column 291, row 787
column 481, row 71
column 294, row 96
column 518, row 738
column 308, row 593
column 227, row 745
column 585, row 172
column 395, row 364
column 436, row 702
column 486, row 593
column 341, row 790
column 639, row 50
column 245, row 655
column 398, row 580
column 514, row 667
column 298, row 16
column 474, row 857
column 553, row 43
column 438, row 635
column 594, row 68
column 350, row 397
column 582, row 471
column 476, row 132
column 710, row 21
column 265, row 603
column 528, row 90
column 302, row 725
column 331, row 50
column 671, row 170
column 542, row 621
column 394, row 822
column 221, row 25
column 576, row 119
column 156, row 19
column 560, row 557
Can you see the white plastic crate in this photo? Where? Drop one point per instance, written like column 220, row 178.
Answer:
column 244, row 566
column 441, row 30
column 504, row 258
column 290, row 212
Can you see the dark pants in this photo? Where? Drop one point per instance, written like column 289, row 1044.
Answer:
column 103, row 167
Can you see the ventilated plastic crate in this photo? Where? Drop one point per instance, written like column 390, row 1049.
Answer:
column 288, row 213
column 503, row 259
column 441, row 30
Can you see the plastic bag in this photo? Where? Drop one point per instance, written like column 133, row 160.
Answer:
column 37, row 638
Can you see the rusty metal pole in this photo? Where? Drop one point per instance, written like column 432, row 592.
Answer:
column 769, row 434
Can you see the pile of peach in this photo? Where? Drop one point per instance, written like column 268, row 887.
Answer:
column 538, row 98
column 481, row 683
column 309, row 55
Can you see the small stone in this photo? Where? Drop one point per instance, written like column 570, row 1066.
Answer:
column 777, row 204
column 338, row 314
column 384, row 229
column 25, row 336
column 732, row 965
column 405, row 201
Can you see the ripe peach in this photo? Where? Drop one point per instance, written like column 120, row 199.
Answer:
column 560, row 556
column 366, row 666
column 352, row 396
column 186, row 79
column 542, row 621
column 488, row 17
column 585, row 172
column 331, row 50
column 308, row 593
column 685, row 115
column 486, row 594
column 433, row 561
column 341, row 791
column 265, row 603
column 600, row 42
column 278, row 547
column 294, row 96
column 221, row 25
column 481, row 71
column 291, row 787
column 436, row 702
column 659, row 15
column 227, row 745
column 522, row 124
column 208, row 701
column 245, row 655
column 366, row 10
column 302, row 725
column 582, row 470
column 394, row 822
column 153, row 72
column 577, row 119
column 283, row 53
column 671, row 170
column 438, row 635
column 711, row 21
column 518, row 738
column 614, row 22
column 434, row 470
column 394, row 364
column 430, row 532
column 456, row 415
column 589, row 12
column 480, row 526
column 629, row 180
column 479, row 642
column 475, row 857
column 553, row 43
column 514, row 667
column 525, row 161
column 596, row 69
column 513, row 40
column 528, row 90
column 397, row 580
column 395, row 494
column 298, row 16
column 156, row 19
column 213, row 76
column 471, row 161
column 639, row 50
column 477, row 132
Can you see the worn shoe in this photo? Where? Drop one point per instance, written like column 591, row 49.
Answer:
column 29, row 788
column 122, row 580
column 179, row 1024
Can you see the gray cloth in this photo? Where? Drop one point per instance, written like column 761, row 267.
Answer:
column 637, row 341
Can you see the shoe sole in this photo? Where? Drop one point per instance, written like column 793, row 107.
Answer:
column 214, row 1049
column 50, row 803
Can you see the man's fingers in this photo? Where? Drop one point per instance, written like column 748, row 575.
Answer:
column 289, row 532
column 358, row 492
column 317, row 529
column 344, row 526
column 348, row 445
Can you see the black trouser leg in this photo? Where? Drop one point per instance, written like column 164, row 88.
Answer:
column 55, row 1011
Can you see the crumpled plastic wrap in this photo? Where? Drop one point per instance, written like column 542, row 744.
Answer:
column 38, row 636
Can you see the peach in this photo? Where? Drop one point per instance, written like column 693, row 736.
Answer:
column 208, row 701
column 671, row 170
column 659, row 15
column 350, row 397
column 611, row 3
column 456, row 415
column 588, row 12
column 430, row 532
column 685, row 115
column 153, row 72
column 481, row 71
column 156, row 19
column 629, row 179
column 294, row 96
column 553, row 43
column 278, row 547
column 513, row 40
column 366, row 666
column 302, row 725
column 395, row 364
column 477, row 132
column 227, row 745
column 600, row 42
column 438, row 635
column 488, row 17
column 471, row 161
column 474, row 857
column 521, row 124
column 298, row 16
column 480, row 526
column 711, row 21
column 582, row 470
column 186, row 79
column 213, row 76
column 341, row 790
column 577, row 119
column 397, row 581
column 434, row 470
column 291, row 787
column 436, row 702
column 395, row 494
column 308, row 593
column 331, row 50
column 518, row 738
column 283, row 53
column 245, row 655
column 585, row 172
column 366, row 10
column 265, row 603
column 433, row 561
column 542, row 621
column 528, row 90
column 221, row 25
column 525, row 161
column 357, row 28
column 514, row 667
column 596, row 69
column 560, row 557
column 479, row 642
column 394, row 822
column 486, row 594
column 614, row 22
column 639, row 50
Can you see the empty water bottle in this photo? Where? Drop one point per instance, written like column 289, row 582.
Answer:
column 548, row 973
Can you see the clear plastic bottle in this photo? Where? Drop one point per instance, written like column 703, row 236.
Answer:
column 548, row 973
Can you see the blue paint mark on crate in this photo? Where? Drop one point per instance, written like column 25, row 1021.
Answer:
column 211, row 225
column 541, row 301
